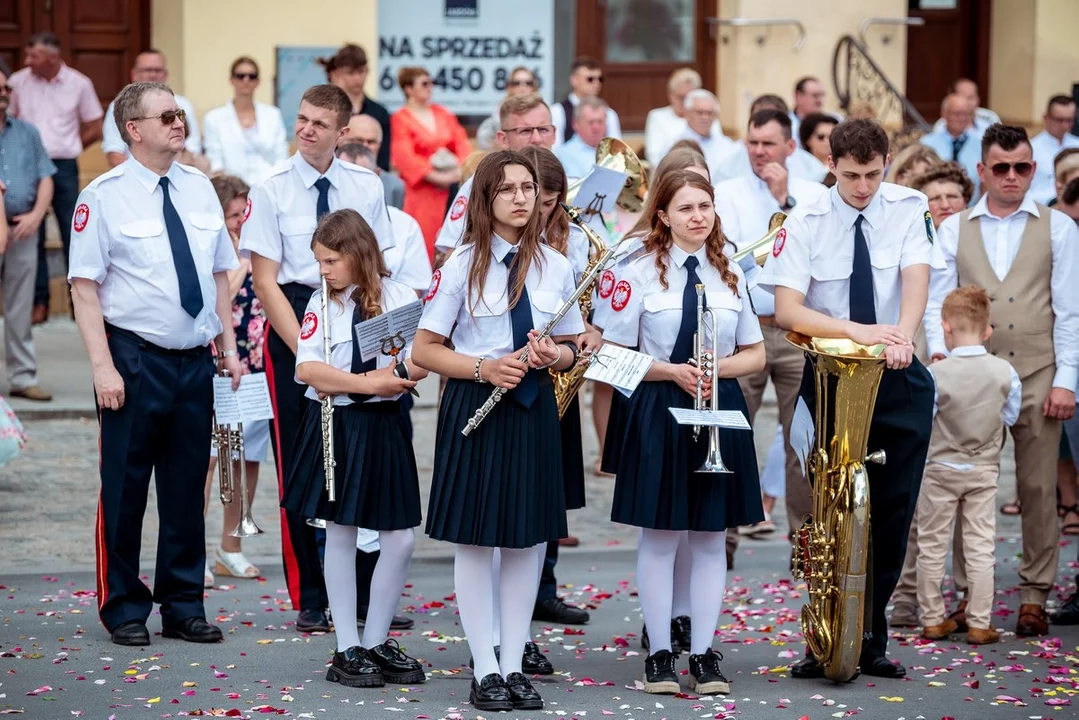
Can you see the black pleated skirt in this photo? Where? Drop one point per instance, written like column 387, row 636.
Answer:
column 375, row 478
column 501, row 486
column 658, row 486
column 573, row 456
column 616, row 430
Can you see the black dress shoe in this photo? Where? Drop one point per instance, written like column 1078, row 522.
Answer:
column 807, row 669
column 355, row 668
column 132, row 633
column 680, row 634
column 522, row 694
column 534, row 662
column 490, row 693
column 659, row 674
column 1068, row 614
column 194, row 629
column 395, row 665
column 880, row 666
column 312, row 620
column 554, row 610
column 399, row 622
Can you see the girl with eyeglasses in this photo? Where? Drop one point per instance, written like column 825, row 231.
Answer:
column 501, row 485
column 521, row 81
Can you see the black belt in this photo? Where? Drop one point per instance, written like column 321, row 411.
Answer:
column 112, row 330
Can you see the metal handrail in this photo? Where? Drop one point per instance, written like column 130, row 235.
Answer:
column 878, row 90
column 763, row 22
column 870, row 22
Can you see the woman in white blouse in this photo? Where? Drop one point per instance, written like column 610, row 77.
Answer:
column 244, row 138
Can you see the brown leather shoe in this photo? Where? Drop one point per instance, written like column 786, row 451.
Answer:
column 1032, row 621
column 939, row 632
column 980, row 636
column 40, row 314
column 960, row 616
column 33, row 392
column 571, row 541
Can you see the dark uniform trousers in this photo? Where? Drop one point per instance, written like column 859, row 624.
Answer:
column 163, row 428
column 299, row 541
column 901, row 426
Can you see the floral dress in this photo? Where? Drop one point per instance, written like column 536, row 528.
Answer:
column 249, row 324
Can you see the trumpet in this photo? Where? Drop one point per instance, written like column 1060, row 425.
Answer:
column 705, row 360
column 230, row 448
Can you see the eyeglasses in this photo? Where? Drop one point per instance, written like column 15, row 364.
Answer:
column 167, row 118
column 7, row 89
column 509, row 192
column 1022, row 169
column 245, row 76
column 593, row 78
column 521, row 83
column 525, row 133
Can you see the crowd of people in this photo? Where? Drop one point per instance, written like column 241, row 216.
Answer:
column 207, row 247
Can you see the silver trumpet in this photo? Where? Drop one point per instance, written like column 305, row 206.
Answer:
column 328, row 461
column 230, row 448
column 705, row 359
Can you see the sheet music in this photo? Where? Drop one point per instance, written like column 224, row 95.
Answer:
column 730, row 419
column 619, row 367
column 599, row 191
column 249, row 403
column 367, row 540
column 398, row 326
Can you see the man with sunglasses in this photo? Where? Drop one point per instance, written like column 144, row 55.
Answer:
column 1059, row 118
column 150, row 256
column 1026, row 256
column 585, row 78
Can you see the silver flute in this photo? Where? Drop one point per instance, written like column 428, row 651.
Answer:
column 328, row 461
column 586, row 283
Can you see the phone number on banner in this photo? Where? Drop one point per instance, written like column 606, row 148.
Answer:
column 458, row 78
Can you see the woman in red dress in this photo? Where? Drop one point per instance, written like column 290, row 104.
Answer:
column 427, row 149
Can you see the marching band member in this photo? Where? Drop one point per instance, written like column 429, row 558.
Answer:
column 657, row 487
column 855, row 264
column 496, row 288
column 375, row 478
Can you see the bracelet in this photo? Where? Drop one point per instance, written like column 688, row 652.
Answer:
column 226, row 353
column 574, row 349
column 555, row 361
column 476, row 371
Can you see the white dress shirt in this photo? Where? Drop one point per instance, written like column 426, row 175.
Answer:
column 814, row 253
column 983, row 118
column 1043, row 187
column 119, row 241
column 801, row 164
column 558, row 119
column 248, row 154
column 647, row 315
column 717, row 148
column 662, row 129
column 970, row 154
column 309, row 344
column 576, row 156
column 281, row 214
column 407, row 260
column 482, row 326
column 111, row 142
column 453, row 227
column 1002, row 237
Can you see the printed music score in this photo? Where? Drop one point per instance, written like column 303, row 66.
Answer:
column 390, row 332
column 249, row 403
column 729, row 419
column 619, row 367
column 367, row 540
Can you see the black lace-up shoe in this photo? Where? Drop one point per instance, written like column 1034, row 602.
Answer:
column 705, row 676
column 132, row 633
column 659, row 675
column 312, row 620
column 522, row 694
column 680, row 634
column 395, row 666
column 354, row 668
column 555, row 610
column 490, row 693
column 193, row 629
column 535, row 662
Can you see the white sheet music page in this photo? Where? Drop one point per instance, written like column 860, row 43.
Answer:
column 619, row 367
column 392, row 330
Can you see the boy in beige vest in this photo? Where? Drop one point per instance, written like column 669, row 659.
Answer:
column 977, row 394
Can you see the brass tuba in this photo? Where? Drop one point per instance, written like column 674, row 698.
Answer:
column 832, row 548
column 760, row 249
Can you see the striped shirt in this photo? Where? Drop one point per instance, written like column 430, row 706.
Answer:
column 23, row 164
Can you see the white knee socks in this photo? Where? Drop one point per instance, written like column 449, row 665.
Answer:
column 473, row 583
column 387, row 582
column 340, row 574
column 517, row 590
column 708, row 578
column 656, row 552
column 682, row 564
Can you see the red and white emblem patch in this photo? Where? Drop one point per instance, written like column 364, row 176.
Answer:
column 309, row 326
column 781, row 240
column 458, row 209
column 606, row 284
column 82, row 217
column 436, row 280
column 247, row 210
column 620, row 296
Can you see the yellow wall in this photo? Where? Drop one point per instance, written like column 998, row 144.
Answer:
column 748, row 69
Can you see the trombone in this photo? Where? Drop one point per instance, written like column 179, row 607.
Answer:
column 705, row 360
column 230, row 448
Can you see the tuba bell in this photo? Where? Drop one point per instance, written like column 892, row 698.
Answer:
column 613, row 154
column 832, row 547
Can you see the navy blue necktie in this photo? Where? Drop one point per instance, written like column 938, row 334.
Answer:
column 323, row 205
column 957, row 146
column 187, row 276
column 862, row 308
column 683, row 344
column 359, row 365
column 527, row 390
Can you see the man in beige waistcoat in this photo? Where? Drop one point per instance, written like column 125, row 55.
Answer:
column 1027, row 257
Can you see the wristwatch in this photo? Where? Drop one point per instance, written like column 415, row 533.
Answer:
column 789, row 205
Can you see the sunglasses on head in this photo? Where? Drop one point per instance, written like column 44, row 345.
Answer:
column 167, row 118
column 1022, row 169
column 246, row 76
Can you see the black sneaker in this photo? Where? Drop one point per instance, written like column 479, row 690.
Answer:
column 312, row 620
column 395, row 666
column 705, row 677
column 555, row 610
column 680, row 634
column 659, row 675
column 535, row 662
column 354, row 668
column 522, row 694
column 490, row 693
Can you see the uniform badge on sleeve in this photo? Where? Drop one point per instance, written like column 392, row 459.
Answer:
column 458, row 209
column 82, row 217
column 929, row 227
column 620, row 296
column 309, row 326
column 436, row 280
column 606, row 284
column 247, row 210
column 781, row 240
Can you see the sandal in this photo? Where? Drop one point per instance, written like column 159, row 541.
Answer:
column 1069, row 528
column 235, row 565
column 1011, row 508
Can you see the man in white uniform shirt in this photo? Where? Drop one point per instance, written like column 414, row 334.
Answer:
column 968, row 89
column 800, row 164
column 282, row 214
column 150, row 257
column 578, row 154
column 702, row 112
column 1059, row 119
column 664, row 126
column 1034, row 315
column 745, row 205
column 586, row 80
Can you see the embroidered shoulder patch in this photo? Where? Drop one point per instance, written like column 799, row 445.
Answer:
column 620, row 296
column 458, row 209
column 82, row 217
column 606, row 284
column 929, row 227
column 780, row 241
column 436, row 280
column 309, row 325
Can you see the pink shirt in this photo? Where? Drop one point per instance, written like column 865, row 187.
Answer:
column 56, row 108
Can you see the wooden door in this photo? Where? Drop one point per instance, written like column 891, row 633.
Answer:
column 953, row 44
column 638, row 43
column 16, row 21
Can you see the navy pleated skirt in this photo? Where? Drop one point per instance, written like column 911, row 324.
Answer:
column 573, row 456
column 616, row 430
column 501, row 486
column 658, row 486
column 375, row 478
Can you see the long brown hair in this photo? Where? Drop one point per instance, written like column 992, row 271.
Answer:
column 681, row 158
column 552, row 178
column 660, row 238
column 479, row 225
column 347, row 233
